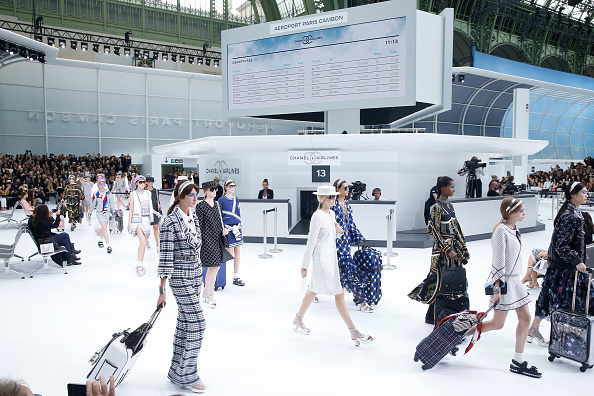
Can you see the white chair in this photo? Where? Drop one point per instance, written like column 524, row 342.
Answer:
column 7, row 252
column 46, row 255
column 7, row 216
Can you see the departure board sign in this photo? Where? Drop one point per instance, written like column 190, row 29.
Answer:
column 354, row 62
column 356, row 58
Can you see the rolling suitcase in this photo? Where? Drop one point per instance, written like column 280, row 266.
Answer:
column 571, row 332
column 221, row 280
column 368, row 275
column 446, row 336
column 118, row 218
column 447, row 304
column 118, row 357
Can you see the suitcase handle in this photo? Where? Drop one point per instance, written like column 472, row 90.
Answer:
column 589, row 271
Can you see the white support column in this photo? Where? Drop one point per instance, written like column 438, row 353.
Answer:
column 521, row 125
column 336, row 121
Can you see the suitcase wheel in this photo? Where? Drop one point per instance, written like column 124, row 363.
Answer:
column 216, row 288
column 416, row 358
column 424, row 367
column 551, row 357
column 584, row 368
column 223, row 287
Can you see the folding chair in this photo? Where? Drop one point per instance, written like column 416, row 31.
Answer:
column 7, row 252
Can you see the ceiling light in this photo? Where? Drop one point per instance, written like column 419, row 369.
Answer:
column 216, row 63
column 106, row 49
column 191, row 60
column 62, row 43
column 51, row 41
column 127, row 51
column 461, row 78
column 96, row 48
column 155, row 55
column 84, row 46
column 174, row 57
column 74, row 45
column 207, row 61
column 182, row 58
column 145, row 54
column 164, row 56
column 116, row 51
column 200, row 61
column 137, row 53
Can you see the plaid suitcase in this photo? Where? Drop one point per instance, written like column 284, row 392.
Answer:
column 368, row 277
column 571, row 332
column 444, row 339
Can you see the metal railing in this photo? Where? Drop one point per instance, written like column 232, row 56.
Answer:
column 266, row 255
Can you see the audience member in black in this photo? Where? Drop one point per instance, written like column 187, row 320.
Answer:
column 265, row 192
column 41, row 224
column 495, row 189
column 433, row 194
column 588, row 228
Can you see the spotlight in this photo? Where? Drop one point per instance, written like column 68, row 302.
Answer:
column 84, row 46
column 207, row 61
column 23, row 52
column 191, row 60
column 32, row 56
column 3, row 46
column 216, row 63
column 74, row 45
column 12, row 50
column 96, row 48
column 155, row 55
column 41, row 58
column 174, row 57
column 106, row 49
column 127, row 51
column 51, row 41
column 40, row 39
column 182, row 58
column 164, row 56
column 137, row 53
column 145, row 54
column 116, row 51
column 62, row 43
column 200, row 61
column 461, row 77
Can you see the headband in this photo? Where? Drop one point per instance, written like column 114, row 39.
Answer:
column 184, row 185
column 340, row 181
column 573, row 186
column 513, row 207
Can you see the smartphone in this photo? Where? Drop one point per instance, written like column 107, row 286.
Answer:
column 77, row 390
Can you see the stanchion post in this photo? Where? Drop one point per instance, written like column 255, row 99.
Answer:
column 276, row 249
column 389, row 254
column 265, row 255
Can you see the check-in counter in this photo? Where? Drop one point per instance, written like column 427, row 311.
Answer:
column 252, row 217
column 478, row 216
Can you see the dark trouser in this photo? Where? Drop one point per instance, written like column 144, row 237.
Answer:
column 63, row 239
column 474, row 188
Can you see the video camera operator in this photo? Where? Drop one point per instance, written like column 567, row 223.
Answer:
column 495, row 188
column 473, row 169
column 510, row 187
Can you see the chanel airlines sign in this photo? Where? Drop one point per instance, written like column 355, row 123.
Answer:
column 314, row 157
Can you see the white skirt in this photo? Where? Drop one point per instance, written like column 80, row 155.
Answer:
column 516, row 296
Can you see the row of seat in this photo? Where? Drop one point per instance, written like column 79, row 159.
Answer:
column 7, row 252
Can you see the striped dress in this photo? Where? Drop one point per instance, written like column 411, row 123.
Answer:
column 506, row 265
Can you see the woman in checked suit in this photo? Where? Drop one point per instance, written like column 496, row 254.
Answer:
column 180, row 262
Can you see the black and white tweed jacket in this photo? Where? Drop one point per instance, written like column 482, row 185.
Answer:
column 178, row 246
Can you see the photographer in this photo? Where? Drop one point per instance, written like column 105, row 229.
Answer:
column 473, row 169
column 495, row 189
column 510, row 187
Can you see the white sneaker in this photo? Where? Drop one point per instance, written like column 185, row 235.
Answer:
column 140, row 270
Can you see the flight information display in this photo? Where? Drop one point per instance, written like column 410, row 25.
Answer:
column 345, row 63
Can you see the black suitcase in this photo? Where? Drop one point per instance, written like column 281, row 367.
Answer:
column 571, row 332
column 447, row 304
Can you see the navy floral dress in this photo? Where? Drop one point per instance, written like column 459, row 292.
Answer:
column 346, row 266
column 566, row 251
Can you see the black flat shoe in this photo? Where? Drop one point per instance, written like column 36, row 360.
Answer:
column 523, row 369
column 75, row 251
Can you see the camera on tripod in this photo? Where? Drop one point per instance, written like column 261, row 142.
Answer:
column 473, row 164
column 357, row 189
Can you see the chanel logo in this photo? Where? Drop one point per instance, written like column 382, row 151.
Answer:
column 307, row 39
column 220, row 165
column 312, row 157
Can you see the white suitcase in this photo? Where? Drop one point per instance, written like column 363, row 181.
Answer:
column 120, row 354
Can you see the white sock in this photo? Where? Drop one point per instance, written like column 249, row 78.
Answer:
column 519, row 357
column 236, row 275
column 139, row 264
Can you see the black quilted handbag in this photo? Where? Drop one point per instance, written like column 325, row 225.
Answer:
column 449, row 304
column 453, row 279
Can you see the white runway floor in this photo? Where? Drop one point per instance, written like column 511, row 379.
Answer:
column 51, row 325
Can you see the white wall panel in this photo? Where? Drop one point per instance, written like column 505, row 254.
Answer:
column 73, row 78
column 167, row 86
column 120, row 82
column 123, row 146
column 73, row 145
column 207, row 90
column 122, row 104
column 22, row 73
column 23, row 143
column 17, row 97
column 167, row 107
column 66, row 101
column 22, row 123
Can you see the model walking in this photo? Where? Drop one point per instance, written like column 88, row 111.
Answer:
column 179, row 262
column 73, row 195
column 139, row 221
column 506, row 266
column 232, row 221
column 156, row 205
column 211, row 227
column 567, row 253
column 449, row 245
column 325, row 274
column 349, row 278
column 103, row 202
column 87, row 188
column 119, row 188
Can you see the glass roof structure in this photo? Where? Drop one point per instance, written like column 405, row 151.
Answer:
column 581, row 11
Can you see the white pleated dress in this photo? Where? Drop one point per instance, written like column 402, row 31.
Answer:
column 321, row 252
column 507, row 265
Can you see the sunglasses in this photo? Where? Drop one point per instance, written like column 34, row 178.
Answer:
column 142, row 182
column 212, row 189
column 346, row 188
column 192, row 195
column 231, row 186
